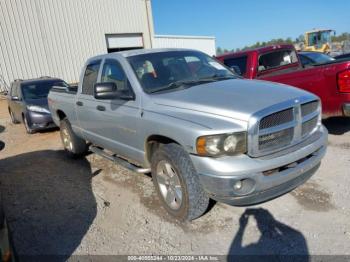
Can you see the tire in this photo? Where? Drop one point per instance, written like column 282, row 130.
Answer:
column 27, row 126
column 73, row 145
column 193, row 201
column 13, row 119
column 2, row 215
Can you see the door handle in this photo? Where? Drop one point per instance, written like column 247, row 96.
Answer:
column 79, row 103
column 100, row 108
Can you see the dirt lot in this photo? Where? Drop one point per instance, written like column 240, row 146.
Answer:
column 55, row 205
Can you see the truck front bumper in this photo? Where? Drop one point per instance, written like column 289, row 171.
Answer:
column 243, row 180
column 346, row 109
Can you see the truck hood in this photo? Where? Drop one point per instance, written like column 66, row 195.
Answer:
column 237, row 98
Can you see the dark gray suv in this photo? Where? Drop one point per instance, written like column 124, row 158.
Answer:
column 27, row 102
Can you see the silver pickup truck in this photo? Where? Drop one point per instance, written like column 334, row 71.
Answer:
column 197, row 127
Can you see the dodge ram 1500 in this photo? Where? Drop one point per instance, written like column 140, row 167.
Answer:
column 199, row 129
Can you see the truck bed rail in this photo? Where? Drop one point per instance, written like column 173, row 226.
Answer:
column 72, row 89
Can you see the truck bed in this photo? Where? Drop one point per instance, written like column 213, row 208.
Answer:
column 62, row 99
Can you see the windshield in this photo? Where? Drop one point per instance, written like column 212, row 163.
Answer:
column 318, row 58
column 176, row 69
column 319, row 38
column 38, row 90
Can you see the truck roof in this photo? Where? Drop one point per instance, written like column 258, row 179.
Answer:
column 139, row 52
column 319, row 30
column 258, row 50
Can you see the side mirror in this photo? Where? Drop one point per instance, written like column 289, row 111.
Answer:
column 235, row 69
column 15, row 98
column 108, row 91
column 105, row 91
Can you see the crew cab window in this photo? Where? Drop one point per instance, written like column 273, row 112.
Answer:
column 113, row 72
column 277, row 59
column 241, row 62
column 90, row 78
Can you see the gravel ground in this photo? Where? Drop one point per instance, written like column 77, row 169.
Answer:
column 55, row 205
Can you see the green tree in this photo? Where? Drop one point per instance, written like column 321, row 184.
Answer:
column 300, row 38
column 219, row 51
column 342, row 37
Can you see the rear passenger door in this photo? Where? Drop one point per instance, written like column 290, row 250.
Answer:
column 85, row 103
column 111, row 124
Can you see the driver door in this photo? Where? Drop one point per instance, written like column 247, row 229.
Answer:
column 117, row 119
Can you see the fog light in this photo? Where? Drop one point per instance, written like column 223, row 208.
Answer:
column 243, row 187
column 237, row 185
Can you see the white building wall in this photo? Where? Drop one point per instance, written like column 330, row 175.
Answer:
column 55, row 37
column 202, row 43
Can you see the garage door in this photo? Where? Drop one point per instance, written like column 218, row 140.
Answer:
column 122, row 42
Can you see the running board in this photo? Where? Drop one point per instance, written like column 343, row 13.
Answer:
column 118, row 160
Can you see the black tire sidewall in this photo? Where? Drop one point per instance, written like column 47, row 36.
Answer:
column 13, row 120
column 26, row 126
column 194, row 200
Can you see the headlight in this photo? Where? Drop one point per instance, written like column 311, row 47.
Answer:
column 38, row 109
column 225, row 144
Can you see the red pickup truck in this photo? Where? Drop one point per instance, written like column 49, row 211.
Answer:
column 281, row 63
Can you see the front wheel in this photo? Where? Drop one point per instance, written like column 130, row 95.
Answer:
column 177, row 183
column 27, row 126
column 73, row 145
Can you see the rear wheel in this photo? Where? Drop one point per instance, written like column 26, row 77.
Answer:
column 73, row 145
column 27, row 126
column 177, row 183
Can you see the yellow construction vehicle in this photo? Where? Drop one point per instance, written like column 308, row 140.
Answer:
column 319, row 40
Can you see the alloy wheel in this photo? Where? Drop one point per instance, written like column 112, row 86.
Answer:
column 169, row 184
column 66, row 139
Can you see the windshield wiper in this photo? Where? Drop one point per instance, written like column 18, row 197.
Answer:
column 220, row 77
column 181, row 83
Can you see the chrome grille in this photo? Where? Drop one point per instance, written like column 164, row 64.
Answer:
column 276, row 140
column 309, row 108
column 277, row 118
column 309, row 126
column 271, row 130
